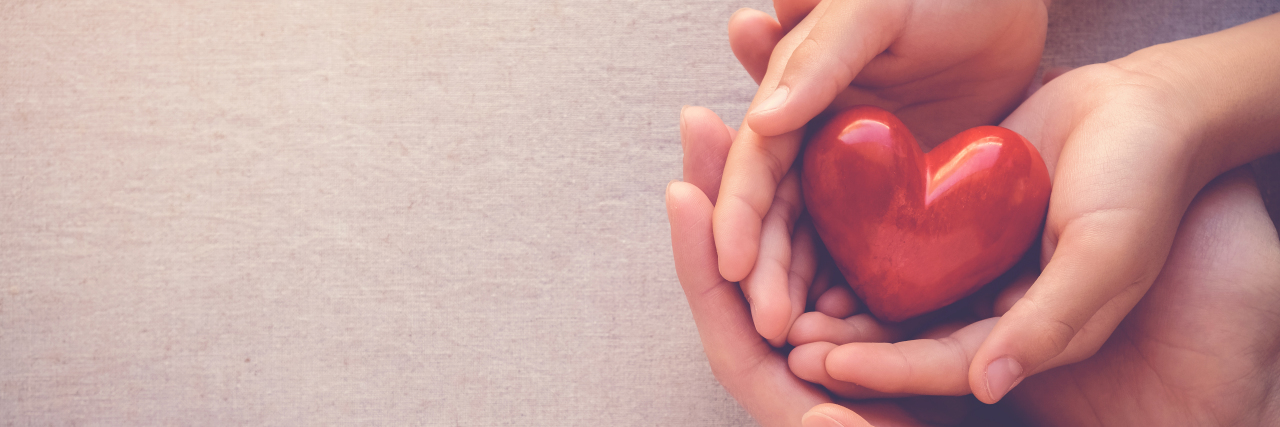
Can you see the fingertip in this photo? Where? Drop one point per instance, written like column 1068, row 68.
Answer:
column 694, row 114
column 808, row 361
column 683, row 200
column 752, row 37
column 678, row 190
column 832, row 415
column 818, row 419
column 776, row 100
column 1022, row 342
column 731, row 266
column 768, row 118
column 999, row 378
column 739, row 15
column 705, row 143
column 809, row 328
column 683, row 125
column 771, row 316
column 838, row 301
column 842, row 362
column 787, row 112
column 737, row 236
column 668, row 196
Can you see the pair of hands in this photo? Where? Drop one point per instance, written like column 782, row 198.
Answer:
column 1111, row 134
column 1200, row 348
column 944, row 67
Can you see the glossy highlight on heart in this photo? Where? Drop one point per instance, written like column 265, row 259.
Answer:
column 914, row 232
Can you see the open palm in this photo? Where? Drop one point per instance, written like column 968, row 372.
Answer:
column 1201, row 347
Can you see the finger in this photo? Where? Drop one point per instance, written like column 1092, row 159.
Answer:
column 822, row 282
column 1098, row 272
column 838, row 301
column 721, row 320
column 806, row 362
column 922, row 366
column 882, row 413
column 746, row 366
column 705, row 140
column 752, row 37
column 804, row 264
column 1107, row 235
column 791, row 12
column 832, row 415
column 1014, row 292
column 814, row 327
column 751, row 175
column 755, row 167
column 942, row 331
column 768, row 286
column 843, row 39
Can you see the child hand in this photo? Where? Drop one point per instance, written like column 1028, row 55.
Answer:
column 941, row 66
column 745, row 364
column 1130, row 144
column 756, row 374
column 1200, row 346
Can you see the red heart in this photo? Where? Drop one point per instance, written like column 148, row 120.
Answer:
column 913, row 232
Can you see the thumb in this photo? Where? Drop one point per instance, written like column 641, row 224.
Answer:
column 826, row 51
column 1097, row 273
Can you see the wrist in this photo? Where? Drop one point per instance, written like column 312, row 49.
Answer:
column 1178, row 99
column 1222, row 86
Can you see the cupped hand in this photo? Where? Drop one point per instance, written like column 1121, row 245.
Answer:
column 1120, row 185
column 941, row 66
column 1201, row 348
column 755, row 373
column 1127, row 162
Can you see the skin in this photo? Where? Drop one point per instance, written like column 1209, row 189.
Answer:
column 837, row 53
column 1129, row 144
column 1131, row 147
column 1200, row 348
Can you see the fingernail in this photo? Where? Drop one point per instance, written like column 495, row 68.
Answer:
column 682, row 108
column 774, row 100
column 1002, row 374
column 818, row 419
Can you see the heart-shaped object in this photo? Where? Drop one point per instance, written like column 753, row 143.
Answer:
column 913, row 232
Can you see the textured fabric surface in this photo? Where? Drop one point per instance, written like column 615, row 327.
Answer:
column 375, row 212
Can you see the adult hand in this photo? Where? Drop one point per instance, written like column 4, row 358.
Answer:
column 755, row 373
column 941, row 66
column 1200, row 348
column 1130, row 143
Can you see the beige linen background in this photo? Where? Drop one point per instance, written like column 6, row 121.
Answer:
column 375, row 212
